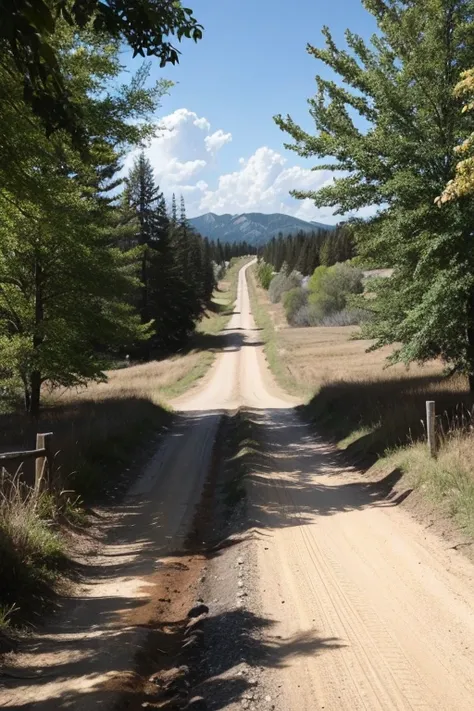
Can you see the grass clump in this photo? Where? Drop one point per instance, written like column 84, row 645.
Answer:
column 447, row 480
column 32, row 553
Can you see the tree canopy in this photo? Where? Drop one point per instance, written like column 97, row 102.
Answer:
column 462, row 185
column 388, row 129
column 28, row 36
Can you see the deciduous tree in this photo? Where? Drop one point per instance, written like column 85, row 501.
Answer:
column 389, row 126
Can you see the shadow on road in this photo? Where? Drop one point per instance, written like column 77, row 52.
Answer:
column 281, row 460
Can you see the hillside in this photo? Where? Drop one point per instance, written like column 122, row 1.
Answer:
column 254, row 227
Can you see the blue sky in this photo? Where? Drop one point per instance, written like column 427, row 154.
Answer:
column 221, row 148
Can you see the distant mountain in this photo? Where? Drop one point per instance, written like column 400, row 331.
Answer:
column 253, row 227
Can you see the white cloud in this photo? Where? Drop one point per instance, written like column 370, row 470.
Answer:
column 180, row 172
column 178, row 153
column 263, row 184
column 203, row 123
column 185, row 156
column 217, row 140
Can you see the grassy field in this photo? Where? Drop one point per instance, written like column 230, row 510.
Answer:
column 102, row 434
column 374, row 412
column 93, row 425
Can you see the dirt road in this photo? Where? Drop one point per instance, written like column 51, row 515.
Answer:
column 360, row 607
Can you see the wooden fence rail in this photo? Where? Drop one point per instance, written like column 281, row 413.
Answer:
column 43, row 456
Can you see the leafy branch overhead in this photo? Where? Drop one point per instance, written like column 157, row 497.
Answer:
column 27, row 33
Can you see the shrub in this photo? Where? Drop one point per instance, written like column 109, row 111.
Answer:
column 346, row 317
column 264, row 274
column 281, row 283
column 293, row 301
column 314, row 283
column 330, row 288
column 310, row 315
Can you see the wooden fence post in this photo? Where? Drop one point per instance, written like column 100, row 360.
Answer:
column 430, row 427
column 44, row 464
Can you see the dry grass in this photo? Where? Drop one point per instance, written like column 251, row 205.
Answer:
column 447, row 480
column 155, row 381
column 322, row 355
column 351, row 393
column 31, row 551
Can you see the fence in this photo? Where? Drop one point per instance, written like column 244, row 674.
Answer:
column 43, row 456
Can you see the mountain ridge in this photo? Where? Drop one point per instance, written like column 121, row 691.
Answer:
column 256, row 228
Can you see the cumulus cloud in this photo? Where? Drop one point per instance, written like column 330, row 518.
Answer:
column 179, row 153
column 217, row 140
column 186, row 154
column 262, row 184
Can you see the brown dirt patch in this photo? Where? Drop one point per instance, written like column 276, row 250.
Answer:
column 165, row 617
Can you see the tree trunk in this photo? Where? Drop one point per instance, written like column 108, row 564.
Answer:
column 35, row 397
column 27, row 393
column 145, row 309
column 38, row 338
column 470, row 343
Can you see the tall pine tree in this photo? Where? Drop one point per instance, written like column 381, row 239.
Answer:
column 142, row 196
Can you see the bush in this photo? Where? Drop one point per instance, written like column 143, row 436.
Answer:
column 310, row 315
column 305, row 316
column 294, row 301
column 282, row 283
column 264, row 274
column 314, row 283
column 346, row 317
column 331, row 287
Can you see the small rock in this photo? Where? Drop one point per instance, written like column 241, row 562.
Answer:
column 198, row 610
column 240, row 584
column 268, row 698
column 165, row 678
column 203, row 578
column 240, row 561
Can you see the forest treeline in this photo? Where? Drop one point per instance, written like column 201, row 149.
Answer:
column 304, row 252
